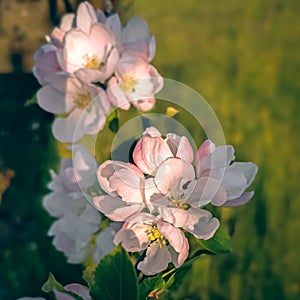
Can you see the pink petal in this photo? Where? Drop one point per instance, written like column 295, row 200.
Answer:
column 122, row 179
column 144, row 104
column 243, row 199
column 113, row 22
column 207, row 190
column 86, row 16
column 133, row 239
column 79, row 289
column 204, row 150
column 136, row 29
column 177, row 240
column 85, row 166
column 219, row 159
column 67, row 22
column 180, row 147
column 156, row 260
column 46, row 63
column 150, row 152
column 248, row 169
column 151, row 193
column 116, row 95
column 51, row 100
column 170, row 173
column 234, row 183
column 57, row 37
column 128, row 184
column 64, row 129
column 152, row 48
column 114, row 208
column 201, row 223
column 175, row 216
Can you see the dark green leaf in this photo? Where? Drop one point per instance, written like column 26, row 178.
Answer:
column 114, row 125
column 176, row 278
column 150, row 284
column 115, row 277
column 219, row 243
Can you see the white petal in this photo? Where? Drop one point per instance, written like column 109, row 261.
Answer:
column 206, row 190
column 64, row 129
column 114, row 208
column 156, row 260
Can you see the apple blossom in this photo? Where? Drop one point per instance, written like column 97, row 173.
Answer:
column 213, row 180
column 66, row 94
column 73, row 233
column 136, row 38
column 46, row 63
column 163, row 242
column 77, row 219
column 104, row 241
column 135, row 82
column 91, row 56
column 235, row 178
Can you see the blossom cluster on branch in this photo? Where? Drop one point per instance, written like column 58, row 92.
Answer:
column 153, row 205
column 90, row 63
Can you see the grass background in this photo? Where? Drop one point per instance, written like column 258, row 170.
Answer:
column 243, row 57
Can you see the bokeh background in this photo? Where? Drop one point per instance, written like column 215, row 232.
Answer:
column 244, row 58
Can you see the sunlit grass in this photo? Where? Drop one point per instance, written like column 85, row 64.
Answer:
column 243, row 57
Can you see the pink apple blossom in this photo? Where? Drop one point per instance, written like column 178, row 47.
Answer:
column 46, row 63
column 135, row 82
column 92, row 56
column 213, row 180
column 136, row 38
column 105, row 241
column 215, row 163
column 163, row 242
column 66, row 94
column 124, row 183
column 77, row 219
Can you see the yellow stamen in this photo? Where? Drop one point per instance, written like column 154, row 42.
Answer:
column 155, row 236
column 93, row 62
column 128, row 84
column 178, row 203
column 83, row 100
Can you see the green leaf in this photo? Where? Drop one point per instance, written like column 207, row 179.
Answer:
column 219, row 243
column 150, row 284
column 31, row 101
column 114, row 125
column 176, row 278
column 52, row 284
column 115, row 277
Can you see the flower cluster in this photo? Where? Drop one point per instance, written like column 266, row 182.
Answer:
column 77, row 220
column 91, row 62
column 162, row 195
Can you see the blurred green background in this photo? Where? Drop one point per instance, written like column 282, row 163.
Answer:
column 244, row 58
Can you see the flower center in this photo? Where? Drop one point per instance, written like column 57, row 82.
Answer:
column 178, row 204
column 128, row 84
column 93, row 62
column 83, row 100
column 155, row 236
column 176, row 200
